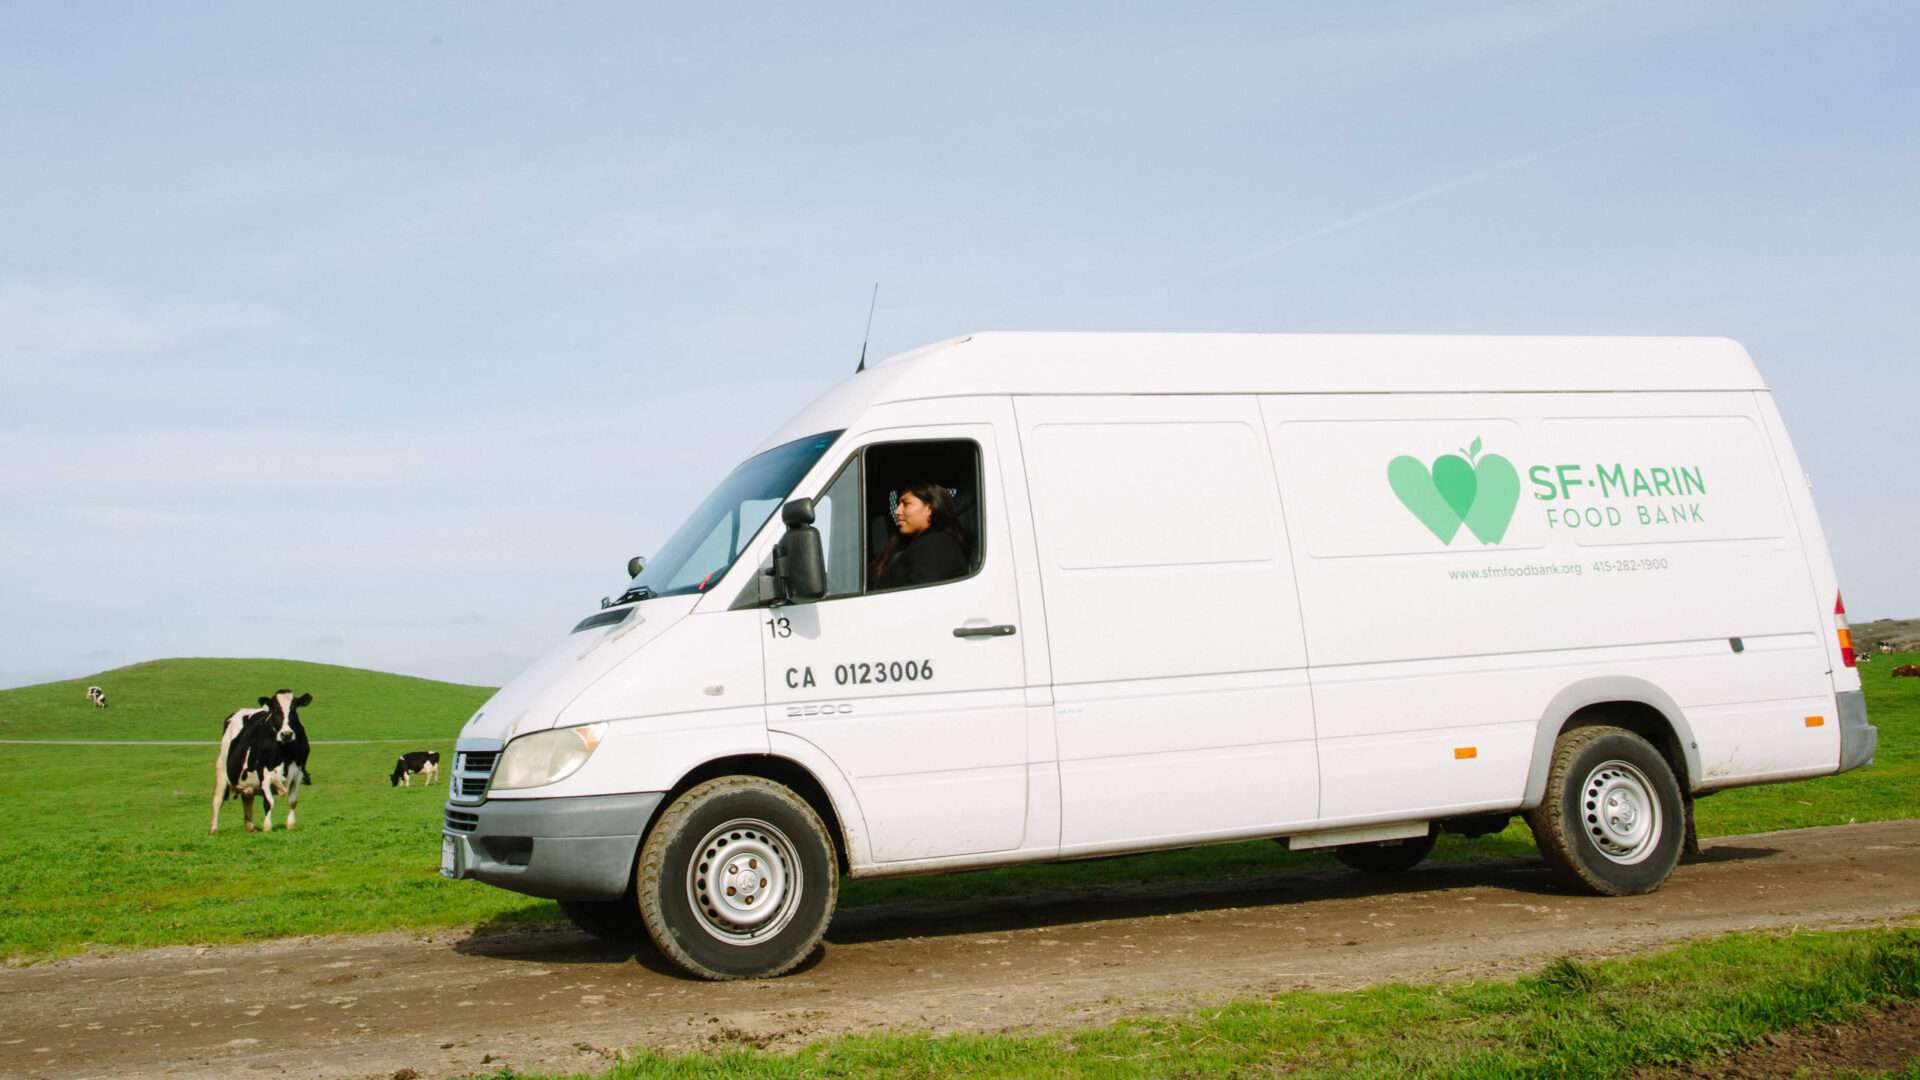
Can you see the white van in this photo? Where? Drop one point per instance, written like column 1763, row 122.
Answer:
column 1180, row 589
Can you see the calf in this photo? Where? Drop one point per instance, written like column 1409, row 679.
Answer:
column 263, row 751
column 97, row 696
column 1907, row 671
column 418, row 763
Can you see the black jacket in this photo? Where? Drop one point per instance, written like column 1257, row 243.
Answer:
column 926, row 558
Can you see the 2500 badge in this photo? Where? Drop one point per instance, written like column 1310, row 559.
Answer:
column 877, row 673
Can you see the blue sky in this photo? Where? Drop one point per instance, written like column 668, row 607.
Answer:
column 382, row 334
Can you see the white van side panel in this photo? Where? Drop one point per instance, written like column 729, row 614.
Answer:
column 1180, row 692
column 1571, row 537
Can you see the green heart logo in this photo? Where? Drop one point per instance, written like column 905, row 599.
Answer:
column 1496, row 497
column 1414, row 484
column 1478, row 492
column 1453, row 478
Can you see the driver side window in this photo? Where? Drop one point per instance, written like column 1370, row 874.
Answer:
column 860, row 536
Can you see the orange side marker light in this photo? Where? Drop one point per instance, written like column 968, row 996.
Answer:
column 1462, row 753
column 1816, row 721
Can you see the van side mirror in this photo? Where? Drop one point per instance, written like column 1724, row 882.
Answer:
column 799, row 560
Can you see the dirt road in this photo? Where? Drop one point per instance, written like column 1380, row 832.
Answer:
column 454, row 1003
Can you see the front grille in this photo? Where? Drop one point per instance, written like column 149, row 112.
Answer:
column 473, row 767
column 472, row 771
column 460, row 821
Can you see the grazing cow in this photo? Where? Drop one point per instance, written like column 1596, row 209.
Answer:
column 418, row 763
column 1907, row 671
column 1886, row 647
column 263, row 751
column 97, row 696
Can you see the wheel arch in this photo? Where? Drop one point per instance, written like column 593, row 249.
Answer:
column 1623, row 701
column 781, row 770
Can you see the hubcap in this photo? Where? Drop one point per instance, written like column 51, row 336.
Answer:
column 1620, row 812
column 744, row 882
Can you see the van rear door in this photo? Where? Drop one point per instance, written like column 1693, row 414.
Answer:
column 1813, row 541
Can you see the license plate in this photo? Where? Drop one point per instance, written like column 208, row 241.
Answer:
column 449, row 859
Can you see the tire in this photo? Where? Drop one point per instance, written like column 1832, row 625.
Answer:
column 707, row 862
column 1389, row 858
column 1613, row 819
column 616, row 921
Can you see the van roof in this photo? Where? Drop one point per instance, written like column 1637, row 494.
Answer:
column 1030, row 363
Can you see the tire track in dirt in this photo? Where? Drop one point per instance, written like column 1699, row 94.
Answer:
column 453, row 1003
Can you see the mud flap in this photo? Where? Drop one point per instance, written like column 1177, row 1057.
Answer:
column 1690, row 846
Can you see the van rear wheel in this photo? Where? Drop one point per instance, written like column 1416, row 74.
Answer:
column 737, row 879
column 1613, row 819
column 1385, row 859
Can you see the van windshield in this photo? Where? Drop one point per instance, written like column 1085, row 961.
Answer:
column 700, row 551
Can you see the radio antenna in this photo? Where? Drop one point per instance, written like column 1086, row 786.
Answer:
column 869, row 334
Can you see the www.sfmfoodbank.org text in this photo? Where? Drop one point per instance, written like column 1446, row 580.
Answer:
column 1497, row 571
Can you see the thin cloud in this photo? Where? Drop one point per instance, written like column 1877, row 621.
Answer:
column 64, row 319
column 1508, row 165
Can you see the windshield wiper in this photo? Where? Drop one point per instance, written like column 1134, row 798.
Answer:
column 638, row 592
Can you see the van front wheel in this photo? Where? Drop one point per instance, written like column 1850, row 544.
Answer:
column 1613, row 820
column 737, row 879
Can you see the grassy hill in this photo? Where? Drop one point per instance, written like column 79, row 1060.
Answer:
column 187, row 699
column 110, row 845
column 1902, row 634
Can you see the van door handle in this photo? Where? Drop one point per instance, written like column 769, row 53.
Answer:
column 1002, row 630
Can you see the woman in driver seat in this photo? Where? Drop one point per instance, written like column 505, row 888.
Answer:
column 927, row 545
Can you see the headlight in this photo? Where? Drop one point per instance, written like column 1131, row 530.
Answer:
column 547, row 757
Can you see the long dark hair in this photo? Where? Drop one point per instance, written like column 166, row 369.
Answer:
column 945, row 518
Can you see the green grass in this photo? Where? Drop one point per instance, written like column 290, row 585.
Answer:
column 110, row 848
column 1910, row 1072
column 1571, row 1019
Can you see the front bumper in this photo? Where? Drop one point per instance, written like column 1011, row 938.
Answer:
column 562, row 849
column 1858, row 739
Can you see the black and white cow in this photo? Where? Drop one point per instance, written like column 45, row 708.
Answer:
column 418, row 763
column 263, row 751
column 97, row 696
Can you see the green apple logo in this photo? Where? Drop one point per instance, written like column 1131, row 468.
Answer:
column 1480, row 494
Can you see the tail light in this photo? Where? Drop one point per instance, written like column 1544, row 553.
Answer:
column 1846, row 635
